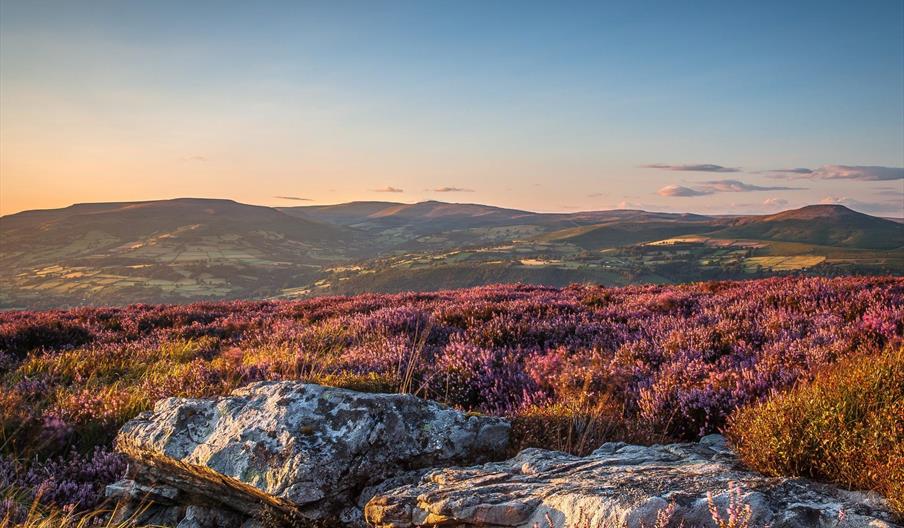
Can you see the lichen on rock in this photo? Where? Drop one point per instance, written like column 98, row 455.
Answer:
column 300, row 450
column 619, row 486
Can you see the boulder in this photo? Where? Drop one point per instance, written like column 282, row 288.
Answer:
column 618, row 486
column 295, row 452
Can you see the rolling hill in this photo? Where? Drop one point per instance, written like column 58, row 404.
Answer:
column 168, row 250
column 190, row 249
column 183, row 220
column 422, row 217
column 825, row 225
column 637, row 229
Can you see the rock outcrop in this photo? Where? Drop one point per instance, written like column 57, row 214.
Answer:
column 619, row 486
column 292, row 452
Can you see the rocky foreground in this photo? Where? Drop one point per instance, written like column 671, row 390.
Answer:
column 294, row 454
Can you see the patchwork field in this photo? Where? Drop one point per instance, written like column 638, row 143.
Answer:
column 188, row 249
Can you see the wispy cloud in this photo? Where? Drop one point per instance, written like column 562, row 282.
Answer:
column 389, row 189
column 680, row 190
column 452, row 189
column 775, row 202
column 843, row 172
column 799, row 170
column 628, row 204
column 702, row 167
column 717, row 186
column 596, row 195
column 294, row 198
column 194, row 158
column 739, row 186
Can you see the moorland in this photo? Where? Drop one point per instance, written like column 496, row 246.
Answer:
column 803, row 374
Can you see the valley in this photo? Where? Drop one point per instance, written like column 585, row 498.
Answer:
column 185, row 250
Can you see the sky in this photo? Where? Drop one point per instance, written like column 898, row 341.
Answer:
column 710, row 107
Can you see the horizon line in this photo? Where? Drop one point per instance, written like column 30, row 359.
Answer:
column 394, row 203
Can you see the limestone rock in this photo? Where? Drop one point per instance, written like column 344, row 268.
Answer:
column 618, row 486
column 298, row 451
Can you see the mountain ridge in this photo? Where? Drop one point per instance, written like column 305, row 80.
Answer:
column 188, row 249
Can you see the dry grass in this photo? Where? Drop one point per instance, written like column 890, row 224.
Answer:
column 847, row 427
column 40, row 517
column 577, row 426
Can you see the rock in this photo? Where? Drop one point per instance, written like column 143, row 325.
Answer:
column 296, row 451
column 201, row 517
column 131, row 490
column 620, row 485
column 144, row 504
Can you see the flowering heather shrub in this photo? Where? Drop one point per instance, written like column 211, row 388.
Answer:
column 672, row 361
column 48, row 330
column 73, row 482
column 846, row 426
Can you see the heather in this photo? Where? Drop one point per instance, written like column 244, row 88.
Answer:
column 846, row 426
column 574, row 366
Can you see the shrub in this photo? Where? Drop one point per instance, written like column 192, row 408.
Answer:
column 575, row 367
column 73, row 483
column 846, row 426
column 41, row 331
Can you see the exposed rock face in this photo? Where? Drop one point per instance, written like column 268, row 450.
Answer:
column 619, row 485
column 294, row 451
column 290, row 453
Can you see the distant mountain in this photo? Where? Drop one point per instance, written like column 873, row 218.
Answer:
column 340, row 214
column 189, row 249
column 178, row 219
column 824, row 225
column 166, row 250
column 615, row 234
column 422, row 217
column 409, row 226
column 606, row 229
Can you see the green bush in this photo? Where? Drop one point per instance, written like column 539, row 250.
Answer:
column 846, row 426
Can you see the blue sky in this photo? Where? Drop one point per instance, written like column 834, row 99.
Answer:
column 543, row 106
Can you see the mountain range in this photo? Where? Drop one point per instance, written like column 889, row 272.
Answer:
column 191, row 249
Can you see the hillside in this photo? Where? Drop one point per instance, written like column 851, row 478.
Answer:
column 166, row 250
column 622, row 233
column 825, row 225
column 189, row 249
column 421, row 218
column 184, row 220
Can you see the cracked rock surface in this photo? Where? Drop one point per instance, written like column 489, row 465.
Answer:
column 619, row 486
column 294, row 454
column 298, row 451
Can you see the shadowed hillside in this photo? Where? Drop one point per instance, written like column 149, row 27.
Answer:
column 183, row 218
column 168, row 250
